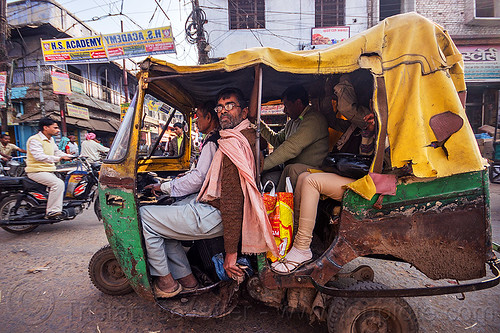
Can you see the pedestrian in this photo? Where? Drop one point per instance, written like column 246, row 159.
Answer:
column 72, row 146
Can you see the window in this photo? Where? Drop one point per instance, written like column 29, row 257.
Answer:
column 389, row 8
column 487, row 8
column 121, row 142
column 246, row 14
column 330, row 13
column 74, row 70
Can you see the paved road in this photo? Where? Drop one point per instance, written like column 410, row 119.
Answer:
column 62, row 298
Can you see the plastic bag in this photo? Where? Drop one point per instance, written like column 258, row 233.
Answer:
column 279, row 207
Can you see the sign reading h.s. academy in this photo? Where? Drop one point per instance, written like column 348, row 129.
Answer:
column 104, row 48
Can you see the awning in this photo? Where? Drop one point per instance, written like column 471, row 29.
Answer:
column 101, row 125
column 95, row 103
column 108, row 125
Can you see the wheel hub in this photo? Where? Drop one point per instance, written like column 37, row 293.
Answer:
column 374, row 322
column 113, row 270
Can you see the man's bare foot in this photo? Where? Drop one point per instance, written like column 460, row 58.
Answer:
column 189, row 281
column 167, row 283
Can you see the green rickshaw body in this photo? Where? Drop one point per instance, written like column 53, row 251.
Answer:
column 439, row 219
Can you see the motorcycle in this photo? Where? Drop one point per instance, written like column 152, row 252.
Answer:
column 14, row 167
column 24, row 201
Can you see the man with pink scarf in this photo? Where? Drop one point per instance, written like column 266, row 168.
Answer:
column 230, row 185
column 229, row 202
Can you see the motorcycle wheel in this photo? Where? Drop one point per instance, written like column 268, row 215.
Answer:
column 106, row 274
column 5, row 207
column 97, row 208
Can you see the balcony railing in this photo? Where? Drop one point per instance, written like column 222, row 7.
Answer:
column 29, row 75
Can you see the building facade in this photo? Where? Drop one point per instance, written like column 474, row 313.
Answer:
column 96, row 88
column 474, row 25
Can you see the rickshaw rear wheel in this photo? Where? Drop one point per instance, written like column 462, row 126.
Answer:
column 106, row 274
column 371, row 314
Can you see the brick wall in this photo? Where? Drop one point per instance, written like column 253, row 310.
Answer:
column 453, row 15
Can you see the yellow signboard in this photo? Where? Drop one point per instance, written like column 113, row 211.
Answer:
column 77, row 111
column 74, row 50
column 109, row 47
column 60, row 83
column 123, row 110
column 139, row 43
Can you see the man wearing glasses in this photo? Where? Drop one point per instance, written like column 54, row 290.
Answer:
column 228, row 190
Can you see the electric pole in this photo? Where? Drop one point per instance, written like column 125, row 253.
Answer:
column 199, row 19
column 125, row 79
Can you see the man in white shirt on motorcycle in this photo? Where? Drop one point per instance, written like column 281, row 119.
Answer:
column 42, row 154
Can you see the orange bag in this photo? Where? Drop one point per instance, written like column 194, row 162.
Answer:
column 279, row 208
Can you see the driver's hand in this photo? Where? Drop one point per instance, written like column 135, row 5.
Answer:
column 67, row 158
column 154, row 188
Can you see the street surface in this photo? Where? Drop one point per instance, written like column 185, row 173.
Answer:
column 61, row 298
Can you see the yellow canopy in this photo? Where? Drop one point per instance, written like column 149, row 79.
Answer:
column 421, row 67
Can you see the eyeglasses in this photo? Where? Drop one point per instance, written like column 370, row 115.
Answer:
column 229, row 106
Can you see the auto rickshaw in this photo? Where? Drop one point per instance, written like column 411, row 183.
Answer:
column 438, row 220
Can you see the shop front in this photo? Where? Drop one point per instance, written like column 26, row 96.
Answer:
column 482, row 75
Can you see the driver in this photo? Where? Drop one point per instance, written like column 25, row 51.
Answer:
column 164, row 226
column 42, row 154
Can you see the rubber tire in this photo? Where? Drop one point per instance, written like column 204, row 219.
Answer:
column 377, row 314
column 106, row 274
column 494, row 173
column 18, row 229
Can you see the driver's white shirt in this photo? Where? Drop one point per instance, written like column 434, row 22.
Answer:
column 36, row 149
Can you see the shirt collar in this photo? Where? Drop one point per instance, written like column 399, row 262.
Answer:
column 301, row 117
column 42, row 136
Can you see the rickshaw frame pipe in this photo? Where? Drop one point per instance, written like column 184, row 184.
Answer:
column 410, row 292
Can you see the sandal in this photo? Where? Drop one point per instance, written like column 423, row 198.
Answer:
column 288, row 265
column 164, row 294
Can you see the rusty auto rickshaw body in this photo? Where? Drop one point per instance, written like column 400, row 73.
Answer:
column 438, row 221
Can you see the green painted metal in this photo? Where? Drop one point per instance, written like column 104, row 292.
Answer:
column 124, row 235
column 261, row 262
column 425, row 195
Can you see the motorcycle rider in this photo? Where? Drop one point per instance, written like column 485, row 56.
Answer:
column 92, row 148
column 7, row 148
column 43, row 153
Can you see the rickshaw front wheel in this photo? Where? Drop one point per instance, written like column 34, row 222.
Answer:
column 106, row 274
column 362, row 315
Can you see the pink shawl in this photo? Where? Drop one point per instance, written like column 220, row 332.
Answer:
column 256, row 232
